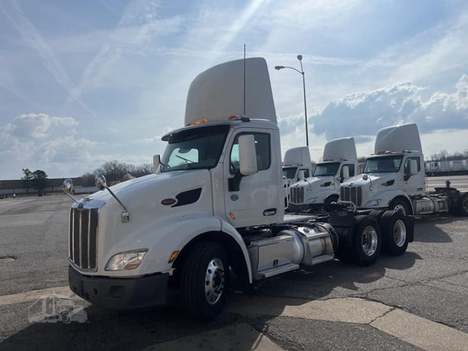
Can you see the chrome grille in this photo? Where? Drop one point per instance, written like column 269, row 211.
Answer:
column 83, row 237
column 297, row 195
column 351, row 193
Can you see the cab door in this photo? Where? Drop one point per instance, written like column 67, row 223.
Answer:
column 413, row 184
column 254, row 199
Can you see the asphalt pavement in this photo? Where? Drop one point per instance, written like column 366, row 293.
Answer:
column 413, row 302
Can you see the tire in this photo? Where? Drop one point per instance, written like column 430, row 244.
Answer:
column 367, row 241
column 463, row 207
column 396, row 233
column 401, row 205
column 204, row 280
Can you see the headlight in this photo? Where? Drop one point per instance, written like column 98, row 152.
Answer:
column 373, row 203
column 125, row 261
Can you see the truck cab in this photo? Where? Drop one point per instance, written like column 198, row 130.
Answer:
column 394, row 177
column 323, row 187
column 297, row 165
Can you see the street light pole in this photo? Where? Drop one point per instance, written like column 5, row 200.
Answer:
column 302, row 73
column 299, row 57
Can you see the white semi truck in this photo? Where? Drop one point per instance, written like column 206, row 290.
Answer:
column 212, row 216
column 297, row 165
column 339, row 163
column 394, row 177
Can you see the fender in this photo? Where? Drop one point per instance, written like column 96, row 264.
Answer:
column 174, row 236
column 231, row 231
column 161, row 239
column 388, row 195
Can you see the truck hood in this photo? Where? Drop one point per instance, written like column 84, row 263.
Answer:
column 185, row 194
column 367, row 179
column 154, row 186
column 318, row 181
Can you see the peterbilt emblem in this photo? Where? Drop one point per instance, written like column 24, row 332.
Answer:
column 168, row 202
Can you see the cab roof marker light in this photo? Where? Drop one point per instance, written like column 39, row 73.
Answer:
column 199, row 122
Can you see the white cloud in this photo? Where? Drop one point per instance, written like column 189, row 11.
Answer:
column 365, row 113
column 38, row 140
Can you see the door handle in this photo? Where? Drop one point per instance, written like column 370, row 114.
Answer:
column 269, row 212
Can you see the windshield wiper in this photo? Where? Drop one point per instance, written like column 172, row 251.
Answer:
column 185, row 159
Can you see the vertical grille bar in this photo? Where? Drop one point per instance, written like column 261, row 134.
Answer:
column 70, row 235
column 76, row 237
column 84, row 238
column 359, row 196
column 93, row 238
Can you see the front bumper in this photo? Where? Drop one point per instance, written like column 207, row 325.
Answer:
column 120, row 293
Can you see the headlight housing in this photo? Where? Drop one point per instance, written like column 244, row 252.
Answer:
column 125, row 261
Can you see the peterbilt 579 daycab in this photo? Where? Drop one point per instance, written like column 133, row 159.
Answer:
column 339, row 162
column 394, row 178
column 213, row 213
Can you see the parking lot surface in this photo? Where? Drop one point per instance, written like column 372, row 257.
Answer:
column 413, row 302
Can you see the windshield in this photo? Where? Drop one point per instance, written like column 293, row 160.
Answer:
column 289, row 172
column 387, row 164
column 326, row 169
column 194, row 148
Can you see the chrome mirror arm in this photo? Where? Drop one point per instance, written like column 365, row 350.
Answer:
column 71, row 197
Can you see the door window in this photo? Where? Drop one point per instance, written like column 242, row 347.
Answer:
column 262, row 148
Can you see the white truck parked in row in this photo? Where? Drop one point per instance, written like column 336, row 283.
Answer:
column 297, row 165
column 213, row 214
column 394, row 177
column 339, row 163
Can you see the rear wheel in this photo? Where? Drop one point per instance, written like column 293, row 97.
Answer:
column 464, row 205
column 395, row 233
column 204, row 280
column 367, row 242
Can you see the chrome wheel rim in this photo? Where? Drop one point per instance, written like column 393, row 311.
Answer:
column 369, row 240
column 401, row 208
column 399, row 232
column 214, row 281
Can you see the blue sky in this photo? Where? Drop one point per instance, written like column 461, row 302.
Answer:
column 87, row 81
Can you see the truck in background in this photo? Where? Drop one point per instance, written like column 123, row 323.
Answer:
column 297, row 165
column 339, row 163
column 394, row 178
column 213, row 214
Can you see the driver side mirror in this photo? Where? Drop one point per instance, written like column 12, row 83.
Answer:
column 413, row 166
column 156, row 163
column 411, row 169
column 301, row 175
column 247, row 155
column 345, row 172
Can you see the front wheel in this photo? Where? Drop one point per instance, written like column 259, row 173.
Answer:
column 367, row 242
column 401, row 206
column 204, row 280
